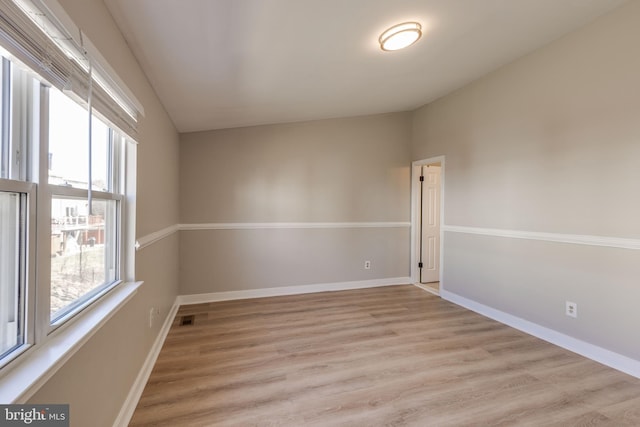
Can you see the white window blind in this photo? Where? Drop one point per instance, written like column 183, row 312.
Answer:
column 23, row 39
column 63, row 55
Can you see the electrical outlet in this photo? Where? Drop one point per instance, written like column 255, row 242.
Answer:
column 367, row 265
column 571, row 309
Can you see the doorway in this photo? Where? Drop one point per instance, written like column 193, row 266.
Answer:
column 427, row 201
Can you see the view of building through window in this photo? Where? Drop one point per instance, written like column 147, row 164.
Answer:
column 83, row 232
column 82, row 250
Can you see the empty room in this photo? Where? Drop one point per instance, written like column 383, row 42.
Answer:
column 319, row 213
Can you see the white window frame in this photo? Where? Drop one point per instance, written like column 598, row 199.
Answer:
column 46, row 325
column 46, row 345
column 30, row 118
column 28, row 269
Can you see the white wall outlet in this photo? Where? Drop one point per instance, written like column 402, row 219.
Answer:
column 367, row 265
column 571, row 309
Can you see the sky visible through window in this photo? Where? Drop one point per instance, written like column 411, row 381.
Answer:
column 68, row 144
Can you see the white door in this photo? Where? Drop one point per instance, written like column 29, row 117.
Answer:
column 430, row 234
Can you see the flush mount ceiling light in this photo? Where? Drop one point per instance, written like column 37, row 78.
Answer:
column 400, row 36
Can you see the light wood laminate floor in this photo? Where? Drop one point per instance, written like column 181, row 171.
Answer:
column 390, row 356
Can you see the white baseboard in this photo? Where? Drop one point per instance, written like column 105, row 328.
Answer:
column 606, row 357
column 289, row 290
column 426, row 288
column 126, row 412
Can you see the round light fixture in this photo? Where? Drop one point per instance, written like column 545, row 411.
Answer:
column 400, row 36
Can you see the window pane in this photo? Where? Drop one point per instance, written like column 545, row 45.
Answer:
column 11, row 289
column 100, row 155
column 68, row 146
column 83, row 251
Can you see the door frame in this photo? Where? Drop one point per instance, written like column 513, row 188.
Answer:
column 415, row 216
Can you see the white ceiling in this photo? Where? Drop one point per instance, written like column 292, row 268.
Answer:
column 230, row 63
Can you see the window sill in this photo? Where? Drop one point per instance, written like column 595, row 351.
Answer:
column 37, row 365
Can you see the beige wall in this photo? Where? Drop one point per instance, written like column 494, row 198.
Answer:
column 97, row 379
column 345, row 170
column 549, row 143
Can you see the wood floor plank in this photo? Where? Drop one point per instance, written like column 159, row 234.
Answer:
column 625, row 412
column 395, row 356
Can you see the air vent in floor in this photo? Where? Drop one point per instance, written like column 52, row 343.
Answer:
column 186, row 320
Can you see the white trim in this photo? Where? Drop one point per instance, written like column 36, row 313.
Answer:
column 291, row 225
column 156, row 236
column 129, row 407
column 606, row 357
column 149, row 239
column 426, row 288
column 290, row 290
column 575, row 239
column 415, row 200
column 37, row 365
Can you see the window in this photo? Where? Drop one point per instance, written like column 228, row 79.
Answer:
column 68, row 148
column 17, row 205
column 64, row 167
column 62, row 173
column 86, row 201
column 12, row 252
